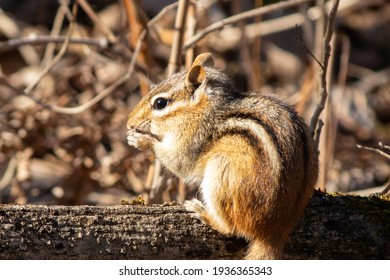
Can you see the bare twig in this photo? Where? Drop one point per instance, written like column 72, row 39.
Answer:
column 91, row 13
column 318, row 132
column 55, row 60
column 384, row 146
column 4, row 82
column 240, row 17
column 344, row 59
column 307, row 49
column 165, row 10
column 10, row 29
column 44, row 39
column 323, row 74
column 380, row 152
column 137, row 23
column 57, row 25
column 8, row 174
column 319, row 28
column 256, row 71
column 387, row 188
column 331, row 116
column 271, row 26
column 327, row 140
column 191, row 28
column 99, row 24
column 307, row 25
column 244, row 47
column 174, row 59
column 102, row 44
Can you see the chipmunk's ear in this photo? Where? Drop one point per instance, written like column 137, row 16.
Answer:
column 196, row 75
column 204, row 59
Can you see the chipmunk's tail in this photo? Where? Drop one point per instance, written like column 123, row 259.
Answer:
column 260, row 250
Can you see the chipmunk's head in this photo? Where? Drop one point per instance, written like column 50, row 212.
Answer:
column 174, row 108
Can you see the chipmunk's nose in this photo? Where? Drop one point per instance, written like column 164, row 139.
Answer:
column 129, row 126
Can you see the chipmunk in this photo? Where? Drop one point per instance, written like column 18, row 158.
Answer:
column 252, row 156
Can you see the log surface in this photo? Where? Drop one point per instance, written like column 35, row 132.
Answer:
column 333, row 227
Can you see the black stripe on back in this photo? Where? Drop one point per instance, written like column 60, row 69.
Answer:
column 266, row 127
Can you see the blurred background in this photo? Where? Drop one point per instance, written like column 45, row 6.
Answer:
column 63, row 112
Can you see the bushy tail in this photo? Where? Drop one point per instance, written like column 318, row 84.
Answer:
column 260, row 250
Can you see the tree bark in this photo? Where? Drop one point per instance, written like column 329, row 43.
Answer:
column 333, row 227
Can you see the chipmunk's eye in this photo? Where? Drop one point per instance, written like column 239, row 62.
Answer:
column 160, row 103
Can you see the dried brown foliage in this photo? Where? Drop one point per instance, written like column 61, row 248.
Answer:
column 59, row 147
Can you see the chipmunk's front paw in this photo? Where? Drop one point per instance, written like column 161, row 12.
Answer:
column 138, row 139
column 202, row 214
column 197, row 206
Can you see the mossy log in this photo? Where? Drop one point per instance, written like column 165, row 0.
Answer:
column 333, row 227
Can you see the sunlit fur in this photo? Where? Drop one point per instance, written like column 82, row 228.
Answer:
column 252, row 157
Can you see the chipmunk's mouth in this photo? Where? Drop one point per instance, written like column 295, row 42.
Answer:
column 131, row 131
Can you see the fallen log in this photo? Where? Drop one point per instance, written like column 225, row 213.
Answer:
column 333, row 227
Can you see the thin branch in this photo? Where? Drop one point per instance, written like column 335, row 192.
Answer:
column 323, row 75
column 136, row 21
column 266, row 27
column 318, row 132
column 190, row 31
column 8, row 174
column 244, row 46
column 4, row 82
column 174, row 59
column 387, row 188
column 383, row 146
column 55, row 60
column 255, row 52
column 307, row 48
column 100, row 25
column 344, row 61
column 62, row 11
column 240, row 17
column 10, row 30
column 91, row 13
column 45, row 39
column 319, row 28
column 380, row 152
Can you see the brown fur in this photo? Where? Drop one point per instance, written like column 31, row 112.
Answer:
column 253, row 157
